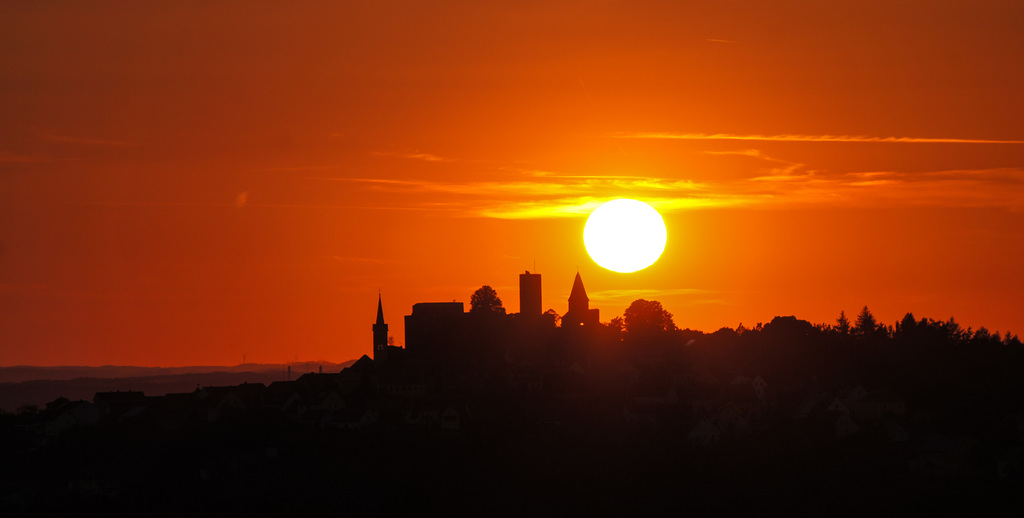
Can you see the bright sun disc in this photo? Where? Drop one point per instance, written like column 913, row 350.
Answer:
column 625, row 235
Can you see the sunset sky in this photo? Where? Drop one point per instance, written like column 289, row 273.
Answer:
column 182, row 183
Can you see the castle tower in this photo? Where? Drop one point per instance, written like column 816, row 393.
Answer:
column 529, row 295
column 579, row 313
column 380, row 334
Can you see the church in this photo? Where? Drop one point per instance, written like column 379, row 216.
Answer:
column 436, row 330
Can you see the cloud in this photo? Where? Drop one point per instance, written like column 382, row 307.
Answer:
column 425, row 157
column 552, row 196
column 634, row 294
column 370, row 260
column 781, row 185
column 10, row 157
column 810, row 138
column 787, row 167
column 294, row 169
column 996, row 188
column 84, row 140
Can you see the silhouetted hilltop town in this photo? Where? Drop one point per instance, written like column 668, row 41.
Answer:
column 538, row 411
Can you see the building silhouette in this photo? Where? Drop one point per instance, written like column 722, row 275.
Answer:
column 529, row 295
column 445, row 332
column 382, row 350
column 579, row 313
column 434, row 329
column 380, row 333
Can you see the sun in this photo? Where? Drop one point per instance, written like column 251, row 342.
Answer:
column 625, row 235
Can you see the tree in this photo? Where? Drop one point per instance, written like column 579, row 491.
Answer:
column 866, row 323
column 647, row 316
column 617, row 324
column 485, row 300
column 554, row 316
column 843, row 323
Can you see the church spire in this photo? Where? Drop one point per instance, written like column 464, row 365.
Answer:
column 380, row 311
column 579, row 307
column 380, row 333
column 578, row 295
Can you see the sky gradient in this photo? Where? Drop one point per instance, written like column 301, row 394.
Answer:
column 183, row 183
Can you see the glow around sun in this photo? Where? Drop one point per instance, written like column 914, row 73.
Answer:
column 625, row 235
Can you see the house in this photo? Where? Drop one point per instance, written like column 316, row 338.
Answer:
column 837, row 406
column 354, row 418
column 640, row 415
column 361, row 375
column 704, row 433
column 403, row 379
column 760, row 387
column 808, row 405
column 72, row 415
column 845, row 426
column 851, row 396
column 878, row 404
column 945, row 455
column 451, row 419
column 113, row 404
column 220, row 401
column 730, row 421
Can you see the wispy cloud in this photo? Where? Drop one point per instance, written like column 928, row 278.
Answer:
column 783, row 168
column 781, row 184
column 425, row 157
column 355, row 259
column 1001, row 187
column 554, row 196
column 811, row 138
column 633, row 294
column 10, row 157
column 295, row 169
column 84, row 140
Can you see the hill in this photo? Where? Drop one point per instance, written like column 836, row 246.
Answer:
column 32, row 385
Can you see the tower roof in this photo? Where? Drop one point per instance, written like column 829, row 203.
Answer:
column 380, row 310
column 578, row 293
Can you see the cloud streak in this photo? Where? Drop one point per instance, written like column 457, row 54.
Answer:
column 552, row 196
column 811, row 138
column 84, row 140
column 530, row 195
column 424, row 157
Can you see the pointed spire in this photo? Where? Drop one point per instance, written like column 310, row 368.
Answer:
column 578, row 293
column 380, row 310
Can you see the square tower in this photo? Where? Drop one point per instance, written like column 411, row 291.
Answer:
column 529, row 294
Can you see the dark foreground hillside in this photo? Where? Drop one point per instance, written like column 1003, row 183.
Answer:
column 921, row 418
column 239, row 469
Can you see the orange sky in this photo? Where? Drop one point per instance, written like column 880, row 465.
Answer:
column 186, row 182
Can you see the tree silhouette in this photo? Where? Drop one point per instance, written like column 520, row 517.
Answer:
column 555, row 317
column 617, row 324
column 485, row 300
column 647, row 316
column 866, row 323
column 843, row 323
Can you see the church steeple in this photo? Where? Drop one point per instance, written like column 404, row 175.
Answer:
column 380, row 333
column 578, row 299
column 380, row 312
column 579, row 313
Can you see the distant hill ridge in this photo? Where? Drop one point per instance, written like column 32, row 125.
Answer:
column 20, row 373
column 31, row 385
